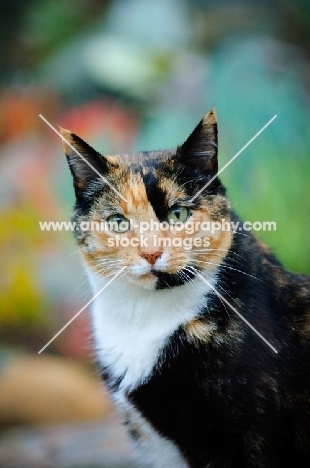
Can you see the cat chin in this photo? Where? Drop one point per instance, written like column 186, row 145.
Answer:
column 146, row 281
column 157, row 279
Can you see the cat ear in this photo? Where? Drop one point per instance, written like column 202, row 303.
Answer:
column 200, row 149
column 85, row 163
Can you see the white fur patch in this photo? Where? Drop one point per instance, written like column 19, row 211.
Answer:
column 131, row 325
column 152, row 448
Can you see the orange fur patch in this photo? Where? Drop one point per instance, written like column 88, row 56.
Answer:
column 200, row 330
column 172, row 190
column 68, row 136
column 210, row 118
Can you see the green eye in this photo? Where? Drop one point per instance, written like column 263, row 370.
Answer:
column 118, row 223
column 177, row 214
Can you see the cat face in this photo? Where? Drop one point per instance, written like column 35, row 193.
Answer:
column 137, row 211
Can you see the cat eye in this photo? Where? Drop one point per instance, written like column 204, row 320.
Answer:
column 118, row 223
column 178, row 214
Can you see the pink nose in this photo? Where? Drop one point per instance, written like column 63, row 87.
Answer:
column 151, row 257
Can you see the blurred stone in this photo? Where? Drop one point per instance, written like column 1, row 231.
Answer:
column 46, row 389
column 101, row 444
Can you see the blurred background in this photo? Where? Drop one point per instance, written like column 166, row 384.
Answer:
column 128, row 75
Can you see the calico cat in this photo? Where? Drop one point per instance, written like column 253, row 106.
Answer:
column 195, row 385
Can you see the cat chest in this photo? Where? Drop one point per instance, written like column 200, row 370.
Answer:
column 168, row 415
column 152, row 448
column 131, row 328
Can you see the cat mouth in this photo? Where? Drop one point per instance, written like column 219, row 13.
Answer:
column 163, row 280
column 169, row 280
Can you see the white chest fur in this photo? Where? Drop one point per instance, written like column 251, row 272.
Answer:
column 131, row 325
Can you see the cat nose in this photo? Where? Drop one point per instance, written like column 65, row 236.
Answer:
column 151, row 257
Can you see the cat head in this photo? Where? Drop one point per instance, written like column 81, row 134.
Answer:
column 157, row 213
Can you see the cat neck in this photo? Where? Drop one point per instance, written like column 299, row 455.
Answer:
column 131, row 325
column 133, row 305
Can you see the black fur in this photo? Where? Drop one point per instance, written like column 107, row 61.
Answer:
column 155, row 195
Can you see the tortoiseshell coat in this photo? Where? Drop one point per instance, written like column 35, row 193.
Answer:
column 196, row 387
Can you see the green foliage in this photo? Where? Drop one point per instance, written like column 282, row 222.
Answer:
column 22, row 301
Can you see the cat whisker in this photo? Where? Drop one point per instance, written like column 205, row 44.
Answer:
column 104, row 268
column 183, row 275
column 235, row 261
column 194, row 280
column 104, row 260
column 203, row 272
column 87, row 292
column 107, row 271
column 239, row 315
column 231, row 268
column 113, row 273
column 72, row 253
column 229, row 251
column 108, row 265
column 233, row 232
column 78, row 287
column 220, row 257
column 196, row 272
column 241, row 233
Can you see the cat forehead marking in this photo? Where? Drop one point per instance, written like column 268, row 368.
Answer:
column 171, row 189
column 135, row 193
